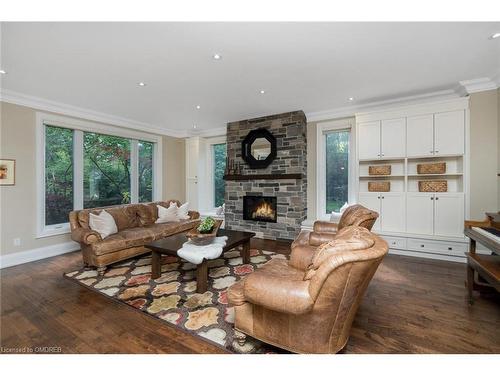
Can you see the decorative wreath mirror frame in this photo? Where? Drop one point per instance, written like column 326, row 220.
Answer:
column 246, row 148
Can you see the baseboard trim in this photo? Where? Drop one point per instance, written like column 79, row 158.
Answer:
column 14, row 259
column 417, row 254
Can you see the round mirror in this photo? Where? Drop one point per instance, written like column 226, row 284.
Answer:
column 260, row 148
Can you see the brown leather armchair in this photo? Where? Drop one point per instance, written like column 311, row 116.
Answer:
column 323, row 231
column 308, row 310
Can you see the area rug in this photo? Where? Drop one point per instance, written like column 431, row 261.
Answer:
column 172, row 298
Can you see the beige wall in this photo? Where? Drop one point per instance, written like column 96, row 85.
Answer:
column 311, row 171
column 18, row 203
column 484, row 158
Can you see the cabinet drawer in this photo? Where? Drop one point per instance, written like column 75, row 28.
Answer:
column 441, row 247
column 395, row 242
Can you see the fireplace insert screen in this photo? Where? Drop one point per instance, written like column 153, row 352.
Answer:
column 259, row 208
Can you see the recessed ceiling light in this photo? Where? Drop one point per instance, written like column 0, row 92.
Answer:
column 351, row 99
column 142, row 84
column 2, row 71
column 198, row 106
column 194, row 126
column 494, row 36
column 262, row 91
column 217, row 56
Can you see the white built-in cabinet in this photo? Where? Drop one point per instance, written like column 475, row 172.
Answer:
column 413, row 221
column 436, row 134
column 382, row 139
column 192, row 157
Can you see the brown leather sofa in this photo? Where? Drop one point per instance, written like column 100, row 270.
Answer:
column 136, row 227
column 308, row 309
column 323, row 231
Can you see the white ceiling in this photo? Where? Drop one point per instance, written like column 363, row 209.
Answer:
column 308, row 66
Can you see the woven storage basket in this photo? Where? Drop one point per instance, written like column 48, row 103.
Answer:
column 379, row 170
column 431, row 168
column 436, row 186
column 379, row 186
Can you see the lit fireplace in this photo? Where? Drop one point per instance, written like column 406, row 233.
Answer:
column 259, row 208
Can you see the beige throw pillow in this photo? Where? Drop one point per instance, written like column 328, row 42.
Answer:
column 183, row 211
column 104, row 224
column 166, row 215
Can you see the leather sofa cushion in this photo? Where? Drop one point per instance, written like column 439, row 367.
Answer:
column 138, row 236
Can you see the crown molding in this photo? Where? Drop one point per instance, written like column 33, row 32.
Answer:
column 207, row 133
column 34, row 102
column 380, row 105
column 479, row 84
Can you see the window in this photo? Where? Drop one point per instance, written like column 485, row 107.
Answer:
column 337, row 169
column 58, row 174
column 106, row 171
column 145, row 171
column 219, row 166
column 335, row 166
column 79, row 167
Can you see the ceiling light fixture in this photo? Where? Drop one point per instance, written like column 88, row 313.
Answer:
column 262, row 91
column 194, row 126
column 142, row 84
column 2, row 71
column 494, row 36
column 351, row 99
column 198, row 106
column 217, row 56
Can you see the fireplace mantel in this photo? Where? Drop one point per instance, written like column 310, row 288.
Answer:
column 246, row 177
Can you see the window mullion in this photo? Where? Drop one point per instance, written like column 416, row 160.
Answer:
column 77, row 169
column 134, row 171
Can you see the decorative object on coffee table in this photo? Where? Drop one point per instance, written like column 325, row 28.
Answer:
column 431, row 168
column 433, row 186
column 7, row 172
column 205, row 232
column 170, row 246
column 379, row 186
column 379, row 170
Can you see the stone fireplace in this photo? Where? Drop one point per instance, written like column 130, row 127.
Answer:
column 269, row 201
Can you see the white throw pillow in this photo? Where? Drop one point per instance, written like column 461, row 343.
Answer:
column 166, row 215
column 183, row 211
column 104, row 224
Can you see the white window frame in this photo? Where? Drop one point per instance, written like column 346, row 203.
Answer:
column 210, row 142
column 322, row 129
column 79, row 127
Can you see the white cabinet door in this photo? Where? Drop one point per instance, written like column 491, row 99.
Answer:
column 192, row 193
column 419, row 213
column 420, row 135
column 392, row 218
column 449, row 214
column 371, row 201
column 393, row 138
column 192, row 153
column 369, row 140
column 449, row 129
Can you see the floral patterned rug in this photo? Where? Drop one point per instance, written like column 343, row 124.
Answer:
column 173, row 298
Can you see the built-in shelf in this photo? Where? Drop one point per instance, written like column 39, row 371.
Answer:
column 382, row 176
column 435, row 174
column 246, row 177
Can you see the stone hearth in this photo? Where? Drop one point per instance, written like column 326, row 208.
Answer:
column 291, row 194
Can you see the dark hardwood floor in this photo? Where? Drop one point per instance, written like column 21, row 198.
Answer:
column 411, row 306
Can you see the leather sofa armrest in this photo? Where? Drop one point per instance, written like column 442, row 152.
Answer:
column 301, row 256
column 278, row 294
column 319, row 238
column 85, row 236
column 194, row 215
column 302, row 239
column 325, row 226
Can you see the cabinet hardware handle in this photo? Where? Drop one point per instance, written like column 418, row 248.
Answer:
column 383, row 197
column 378, row 197
column 436, row 151
column 432, row 198
column 450, row 248
column 437, row 198
column 421, row 245
column 383, row 154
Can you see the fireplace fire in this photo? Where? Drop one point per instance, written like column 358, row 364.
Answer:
column 259, row 208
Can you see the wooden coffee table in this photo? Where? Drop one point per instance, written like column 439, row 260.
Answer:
column 170, row 245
